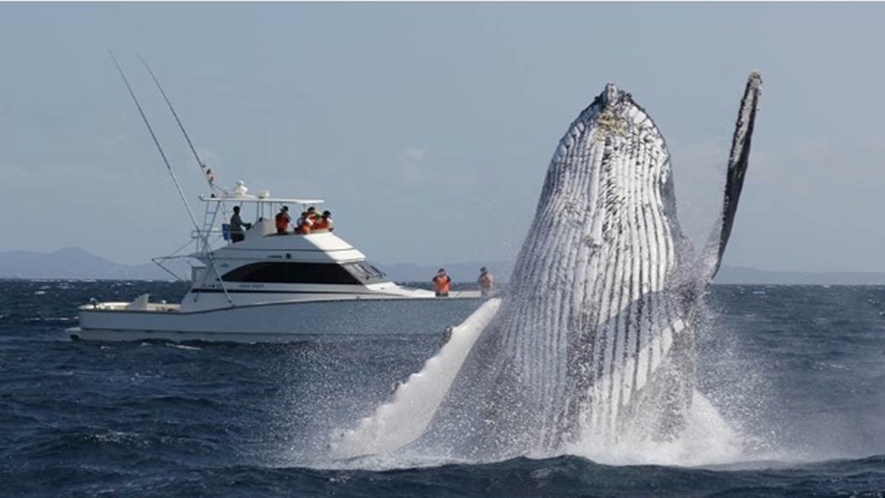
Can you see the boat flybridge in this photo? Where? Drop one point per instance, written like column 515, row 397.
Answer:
column 272, row 287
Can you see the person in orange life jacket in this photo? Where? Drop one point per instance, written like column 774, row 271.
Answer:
column 282, row 220
column 484, row 281
column 304, row 223
column 324, row 223
column 236, row 226
column 442, row 283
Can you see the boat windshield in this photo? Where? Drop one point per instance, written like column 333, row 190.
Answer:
column 366, row 272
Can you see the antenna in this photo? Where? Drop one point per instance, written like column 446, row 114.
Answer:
column 207, row 172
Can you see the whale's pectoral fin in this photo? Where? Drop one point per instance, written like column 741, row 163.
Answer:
column 415, row 402
column 734, row 182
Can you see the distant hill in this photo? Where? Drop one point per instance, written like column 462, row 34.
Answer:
column 739, row 275
column 460, row 272
column 467, row 272
column 76, row 264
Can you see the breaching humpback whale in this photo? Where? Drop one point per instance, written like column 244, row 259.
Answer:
column 595, row 338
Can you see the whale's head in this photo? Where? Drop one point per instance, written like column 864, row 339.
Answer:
column 607, row 206
column 610, row 94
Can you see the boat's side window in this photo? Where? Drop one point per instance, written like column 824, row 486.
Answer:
column 378, row 273
column 367, row 273
column 292, row 273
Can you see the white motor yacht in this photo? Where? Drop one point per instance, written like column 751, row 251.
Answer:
column 274, row 287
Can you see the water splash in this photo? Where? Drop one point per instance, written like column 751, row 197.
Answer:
column 414, row 402
column 706, row 440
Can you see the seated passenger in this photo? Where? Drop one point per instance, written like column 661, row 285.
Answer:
column 304, row 223
column 324, row 223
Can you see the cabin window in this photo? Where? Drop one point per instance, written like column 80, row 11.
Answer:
column 293, row 273
column 366, row 273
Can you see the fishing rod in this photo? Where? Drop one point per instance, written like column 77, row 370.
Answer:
column 204, row 237
column 157, row 143
column 207, row 172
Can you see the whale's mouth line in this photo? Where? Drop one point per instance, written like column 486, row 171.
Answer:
column 595, row 338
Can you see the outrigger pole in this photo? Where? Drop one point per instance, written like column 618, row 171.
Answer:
column 207, row 172
column 157, row 143
column 204, row 237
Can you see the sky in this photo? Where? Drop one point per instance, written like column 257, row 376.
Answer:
column 428, row 127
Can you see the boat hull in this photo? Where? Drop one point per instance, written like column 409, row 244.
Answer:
column 280, row 322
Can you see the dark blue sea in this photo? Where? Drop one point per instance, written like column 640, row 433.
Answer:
column 796, row 373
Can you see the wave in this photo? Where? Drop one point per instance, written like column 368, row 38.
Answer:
column 554, row 477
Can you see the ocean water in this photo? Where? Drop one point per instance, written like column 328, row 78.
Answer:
column 793, row 375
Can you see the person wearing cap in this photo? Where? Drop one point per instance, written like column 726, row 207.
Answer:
column 485, row 282
column 442, row 283
column 236, row 226
column 325, row 222
column 282, row 220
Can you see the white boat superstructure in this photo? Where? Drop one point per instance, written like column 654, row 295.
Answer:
column 275, row 287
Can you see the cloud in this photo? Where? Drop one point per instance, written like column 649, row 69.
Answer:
column 414, row 153
column 830, row 162
column 417, row 168
column 412, row 170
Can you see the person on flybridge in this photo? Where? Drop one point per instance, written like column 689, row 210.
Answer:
column 237, row 226
column 304, row 223
column 308, row 222
column 282, row 220
column 324, row 223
